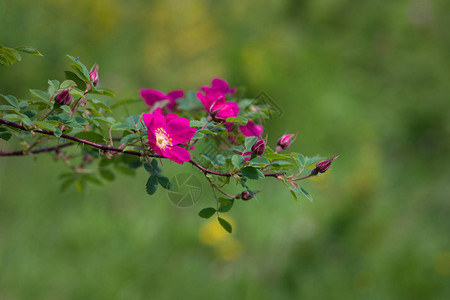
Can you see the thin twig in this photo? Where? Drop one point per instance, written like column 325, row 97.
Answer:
column 112, row 149
column 42, row 150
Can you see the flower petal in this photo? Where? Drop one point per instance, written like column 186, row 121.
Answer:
column 220, row 84
column 175, row 94
column 158, row 119
column 178, row 155
column 152, row 96
column 148, row 119
column 251, row 129
column 179, row 130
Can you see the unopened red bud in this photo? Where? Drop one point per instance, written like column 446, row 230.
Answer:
column 285, row 141
column 258, row 148
column 93, row 75
column 322, row 166
column 245, row 195
column 63, row 97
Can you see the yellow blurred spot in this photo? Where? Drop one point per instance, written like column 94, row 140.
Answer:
column 211, row 233
column 225, row 245
column 229, row 249
column 442, row 263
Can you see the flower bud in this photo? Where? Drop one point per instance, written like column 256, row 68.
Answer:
column 323, row 165
column 285, row 141
column 93, row 75
column 258, row 148
column 63, row 97
column 245, row 195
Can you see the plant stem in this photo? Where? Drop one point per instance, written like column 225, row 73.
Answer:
column 112, row 149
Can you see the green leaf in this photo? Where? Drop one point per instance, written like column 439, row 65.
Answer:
column 148, row 167
column 28, row 50
column 67, row 83
column 237, row 161
column 195, row 123
column 220, row 160
column 152, row 185
column 103, row 92
column 58, row 132
column 81, row 66
column 98, row 104
column 250, row 141
column 259, row 161
column 7, row 107
column 45, row 125
column 5, row 134
column 53, row 84
column 11, row 100
column 40, row 94
column 294, row 194
column 9, row 56
column 312, row 160
column 276, row 156
column 252, row 173
column 107, row 174
column 206, row 131
column 224, row 223
column 14, row 117
column 122, row 126
column 154, row 164
column 90, row 136
column 74, row 77
column 133, row 120
column 239, row 149
column 23, row 105
column 237, row 120
column 306, row 194
column 225, row 204
column 299, row 160
column 165, row 182
column 129, row 138
column 207, row 212
column 66, row 109
column 80, row 121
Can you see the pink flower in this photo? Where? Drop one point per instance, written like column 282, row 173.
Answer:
column 93, row 75
column 217, row 106
column 213, row 99
column 285, row 141
column 152, row 96
column 221, row 109
column 251, row 129
column 166, row 133
column 219, row 85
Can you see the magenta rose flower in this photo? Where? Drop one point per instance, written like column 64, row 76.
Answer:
column 217, row 106
column 251, row 129
column 221, row 109
column 219, row 85
column 152, row 96
column 166, row 133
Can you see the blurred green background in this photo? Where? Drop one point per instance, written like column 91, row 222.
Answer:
column 367, row 79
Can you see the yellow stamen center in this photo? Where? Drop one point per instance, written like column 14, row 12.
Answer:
column 162, row 139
